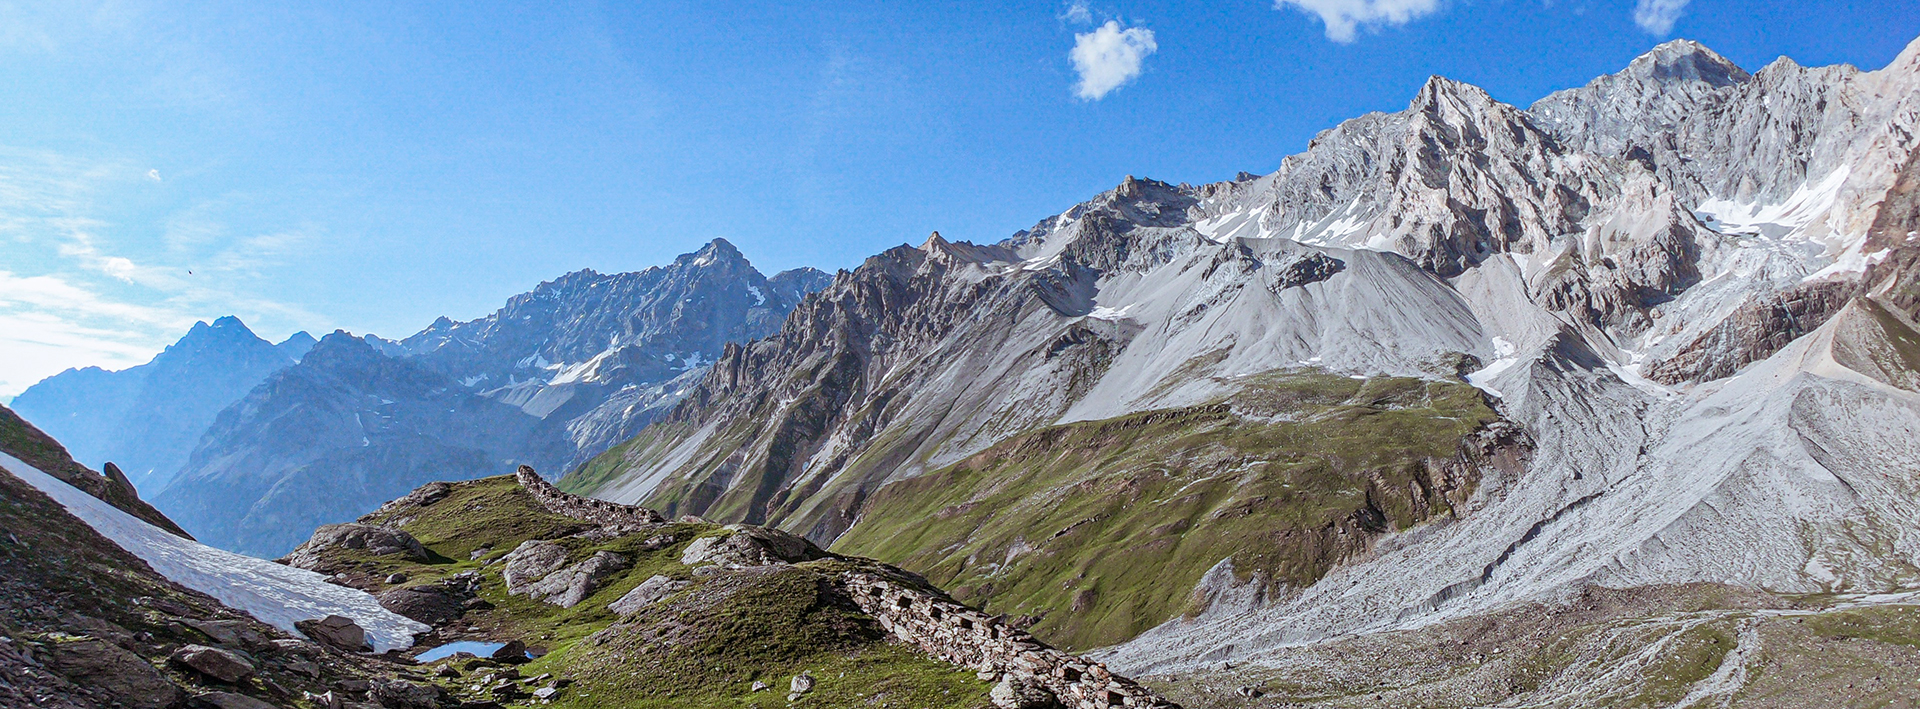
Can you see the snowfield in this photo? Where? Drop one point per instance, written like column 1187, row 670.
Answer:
column 277, row 595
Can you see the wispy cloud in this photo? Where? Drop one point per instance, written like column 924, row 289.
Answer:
column 1657, row 16
column 1344, row 18
column 1078, row 13
column 84, row 284
column 1109, row 57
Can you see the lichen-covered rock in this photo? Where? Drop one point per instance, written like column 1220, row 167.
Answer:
column 228, row 700
column 397, row 694
column 378, row 541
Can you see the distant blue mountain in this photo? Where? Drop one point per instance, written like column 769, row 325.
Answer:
column 147, row 419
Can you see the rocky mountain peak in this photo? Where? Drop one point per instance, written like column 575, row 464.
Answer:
column 339, row 349
column 226, row 329
column 1441, row 93
column 717, row 251
column 296, row 345
column 1685, row 60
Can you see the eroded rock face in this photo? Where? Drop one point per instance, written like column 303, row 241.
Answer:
column 224, row 665
column 338, row 632
column 530, row 562
column 122, row 675
column 378, row 541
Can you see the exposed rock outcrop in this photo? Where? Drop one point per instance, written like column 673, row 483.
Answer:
column 372, row 540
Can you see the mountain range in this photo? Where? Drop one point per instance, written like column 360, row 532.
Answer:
column 251, row 445
column 147, row 419
column 1656, row 330
column 1611, row 400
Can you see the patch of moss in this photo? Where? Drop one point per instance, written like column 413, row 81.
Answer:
column 1098, row 530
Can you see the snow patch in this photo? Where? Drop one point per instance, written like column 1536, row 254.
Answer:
column 277, row 595
column 1788, row 218
column 759, row 298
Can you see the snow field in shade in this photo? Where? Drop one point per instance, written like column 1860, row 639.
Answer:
column 276, row 594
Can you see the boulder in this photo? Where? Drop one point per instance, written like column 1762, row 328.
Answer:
column 514, row 651
column 337, row 632
column 378, row 541
column 646, row 594
column 530, row 562
column 568, row 586
column 430, row 604
column 228, row 700
column 224, row 665
column 749, row 545
column 116, row 672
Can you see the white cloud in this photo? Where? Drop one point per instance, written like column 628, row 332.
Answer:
column 1109, row 57
column 154, row 175
column 1344, row 17
column 1078, row 13
column 1657, row 16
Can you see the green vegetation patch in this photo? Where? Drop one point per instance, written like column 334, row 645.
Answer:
column 1098, row 530
column 1894, row 625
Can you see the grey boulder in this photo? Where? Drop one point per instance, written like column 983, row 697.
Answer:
column 224, row 665
column 337, row 632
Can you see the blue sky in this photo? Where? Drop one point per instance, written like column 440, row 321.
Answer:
column 371, row 166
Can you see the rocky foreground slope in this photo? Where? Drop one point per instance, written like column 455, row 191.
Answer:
column 619, row 607
column 84, row 623
column 1685, row 291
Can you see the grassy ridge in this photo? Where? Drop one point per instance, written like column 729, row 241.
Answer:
column 1098, row 530
column 703, row 647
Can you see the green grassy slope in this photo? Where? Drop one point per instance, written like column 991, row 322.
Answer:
column 1099, row 530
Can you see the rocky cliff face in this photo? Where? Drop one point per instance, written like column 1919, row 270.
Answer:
column 147, row 419
column 552, row 378
column 1610, row 267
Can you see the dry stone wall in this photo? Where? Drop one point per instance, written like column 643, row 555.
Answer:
column 969, row 638
column 585, row 509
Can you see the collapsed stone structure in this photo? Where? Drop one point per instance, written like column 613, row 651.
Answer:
column 966, row 637
column 585, row 509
